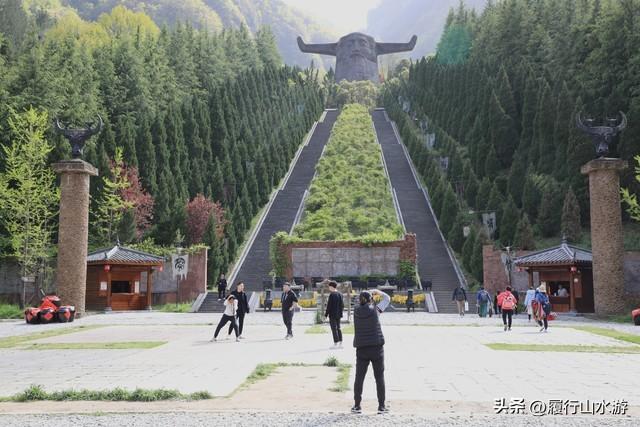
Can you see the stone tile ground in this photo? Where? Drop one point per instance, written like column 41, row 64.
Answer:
column 429, row 358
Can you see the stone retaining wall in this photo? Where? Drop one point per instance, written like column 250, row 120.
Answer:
column 334, row 259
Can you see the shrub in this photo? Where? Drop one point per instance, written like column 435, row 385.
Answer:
column 350, row 197
column 10, row 311
column 331, row 362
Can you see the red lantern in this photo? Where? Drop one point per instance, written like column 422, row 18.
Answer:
column 574, row 269
column 107, row 267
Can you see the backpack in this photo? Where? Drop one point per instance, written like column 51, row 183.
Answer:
column 484, row 296
column 508, row 302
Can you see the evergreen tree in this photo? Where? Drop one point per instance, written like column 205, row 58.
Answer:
column 449, row 210
column 549, row 215
column 508, row 222
column 571, row 217
column 455, row 234
column 524, row 238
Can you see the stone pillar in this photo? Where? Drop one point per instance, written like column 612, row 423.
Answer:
column 73, row 231
column 606, row 234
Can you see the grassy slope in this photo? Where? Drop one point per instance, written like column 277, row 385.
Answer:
column 350, row 197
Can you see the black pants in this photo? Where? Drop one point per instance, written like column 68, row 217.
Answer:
column 335, row 329
column 544, row 322
column 240, row 318
column 223, row 322
column 507, row 314
column 287, row 317
column 222, row 293
column 364, row 355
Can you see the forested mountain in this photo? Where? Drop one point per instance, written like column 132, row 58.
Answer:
column 501, row 98
column 398, row 20
column 194, row 112
column 285, row 22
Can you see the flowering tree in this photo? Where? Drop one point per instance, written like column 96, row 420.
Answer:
column 140, row 200
column 122, row 191
column 199, row 211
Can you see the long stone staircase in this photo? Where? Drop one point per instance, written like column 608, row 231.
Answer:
column 434, row 262
column 255, row 267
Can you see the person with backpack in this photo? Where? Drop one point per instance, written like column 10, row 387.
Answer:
column 542, row 307
column 335, row 307
column 507, row 303
column 460, row 297
column 369, row 343
column 483, row 300
column 229, row 315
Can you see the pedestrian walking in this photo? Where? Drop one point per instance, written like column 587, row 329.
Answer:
column 243, row 308
column 288, row 301
column 222, row 288
column 460, row 297
column 229, row 315
column 483, row 299
column 369, row 343
column 516, row 295
column 507, row 303
column 541, row 307
column 528, row 299
column 335, row 307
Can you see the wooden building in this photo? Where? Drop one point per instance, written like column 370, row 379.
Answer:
column 114, row 279
column 562, row 267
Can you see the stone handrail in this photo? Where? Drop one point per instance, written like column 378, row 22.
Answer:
column 245, row 251
column 454, row 261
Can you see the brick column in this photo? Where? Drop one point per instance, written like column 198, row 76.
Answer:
column 606, row 234
column 73, row 231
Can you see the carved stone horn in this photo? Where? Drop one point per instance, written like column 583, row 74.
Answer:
column 623, row 123
column 386, row 48
column 59, row 126
column 587, row 129
column 330, row 49
column 97, row 127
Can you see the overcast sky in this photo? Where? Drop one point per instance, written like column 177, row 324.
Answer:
column 351, row 14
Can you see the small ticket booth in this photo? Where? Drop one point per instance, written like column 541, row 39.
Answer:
column 568, row 272
column 114, row 279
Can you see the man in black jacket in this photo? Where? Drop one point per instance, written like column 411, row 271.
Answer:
column 369, row 343
column 243, row 308
column 289, row 301
column 335, row 306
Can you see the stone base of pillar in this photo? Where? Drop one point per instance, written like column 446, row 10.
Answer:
column 606, row 234
column 73, row 232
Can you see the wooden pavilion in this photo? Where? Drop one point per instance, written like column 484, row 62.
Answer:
column 114, row 277
column 564, row 266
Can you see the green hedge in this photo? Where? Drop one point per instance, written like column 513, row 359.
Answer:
column 350, row 197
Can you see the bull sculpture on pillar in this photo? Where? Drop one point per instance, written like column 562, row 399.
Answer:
column 78, row 136
column 602, row 136
column 357, row 55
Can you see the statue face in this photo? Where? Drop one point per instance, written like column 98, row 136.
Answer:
column 356, row 46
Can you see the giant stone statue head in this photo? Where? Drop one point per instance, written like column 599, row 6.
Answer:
column 357, row 55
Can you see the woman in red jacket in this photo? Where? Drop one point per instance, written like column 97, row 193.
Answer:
column 507, row 303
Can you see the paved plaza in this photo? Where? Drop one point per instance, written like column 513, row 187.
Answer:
column 436, row 365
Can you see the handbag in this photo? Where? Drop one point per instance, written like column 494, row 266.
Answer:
column 552, row 316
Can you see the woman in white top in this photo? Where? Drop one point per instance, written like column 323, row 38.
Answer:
column 229, row 315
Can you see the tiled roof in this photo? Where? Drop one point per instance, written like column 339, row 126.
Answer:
column 563, row 254
column 121, row 255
